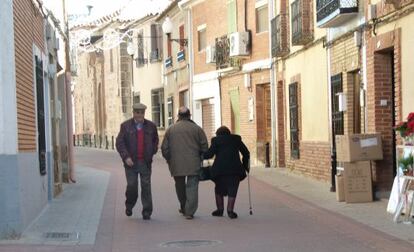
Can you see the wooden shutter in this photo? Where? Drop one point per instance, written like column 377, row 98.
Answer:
column 232, row 16
column 181, row 29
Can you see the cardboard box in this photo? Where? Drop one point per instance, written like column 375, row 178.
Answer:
column 358, row 182
column 339, row 188
column 358, row 147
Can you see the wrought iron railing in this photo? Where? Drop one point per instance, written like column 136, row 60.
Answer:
column 279, row 41
column 325, row 8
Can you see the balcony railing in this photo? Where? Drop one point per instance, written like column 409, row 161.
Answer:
column 223, row 59
column 280, row 46
column 302, row 32
column 332, row 13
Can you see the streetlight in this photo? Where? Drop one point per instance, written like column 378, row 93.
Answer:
column 167, row 27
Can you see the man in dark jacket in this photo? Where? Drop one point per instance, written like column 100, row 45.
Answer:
column 182, row 146
column 136, row 143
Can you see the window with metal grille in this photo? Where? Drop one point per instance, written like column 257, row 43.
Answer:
column 170, row 112
column 337, row 116
column 296, row 20
column 40, row 116
column 157, row 101
column 294, row 120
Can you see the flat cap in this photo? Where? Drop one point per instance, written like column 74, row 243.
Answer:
column 139, row 106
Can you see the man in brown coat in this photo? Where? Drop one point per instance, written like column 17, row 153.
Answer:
column 136, row 143
column 182, row 147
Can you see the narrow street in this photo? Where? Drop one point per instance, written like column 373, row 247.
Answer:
column 280, row 222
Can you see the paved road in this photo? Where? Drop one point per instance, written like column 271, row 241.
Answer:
column 280, row 221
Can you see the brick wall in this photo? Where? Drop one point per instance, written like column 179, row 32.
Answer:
column 380, row 50
column 217, row 27
column 28, row 30
column 345, row 58
column 315, row 160
column 248, row 129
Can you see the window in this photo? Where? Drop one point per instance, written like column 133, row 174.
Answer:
column 170, row 110
column 155, row 43
column 157, row 101
column 202, row 39
column 296, row 20
column 141, row 57
column 232, row 16
column 136, row 98
column 337, row 116
column 294, row 120
column 41, row 133
column 184, row 98
column 262, row 21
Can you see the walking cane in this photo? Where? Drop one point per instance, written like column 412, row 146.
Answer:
column 248, row 188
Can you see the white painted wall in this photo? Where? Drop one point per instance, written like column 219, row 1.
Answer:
column 8, row 107
column 205, row 86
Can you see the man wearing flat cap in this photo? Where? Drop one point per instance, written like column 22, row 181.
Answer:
column 137, row 142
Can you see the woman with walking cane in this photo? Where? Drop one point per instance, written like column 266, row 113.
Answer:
column 227, row 170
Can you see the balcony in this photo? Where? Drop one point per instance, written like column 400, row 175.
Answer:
column 333, row 13
column 223, row 59
column 280, row 42
column 302, row 30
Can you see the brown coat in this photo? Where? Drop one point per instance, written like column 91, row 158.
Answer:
column 184, row 143
column 126, row 141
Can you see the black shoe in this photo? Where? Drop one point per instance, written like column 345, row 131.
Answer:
column 189, row 217
column 231, row 214
column 128, row 212
column 181, row 211
column 217, row 213
column 146, row 217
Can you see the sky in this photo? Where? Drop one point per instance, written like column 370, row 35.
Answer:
column 134, row 8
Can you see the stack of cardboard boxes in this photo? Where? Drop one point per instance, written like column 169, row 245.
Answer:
column 355, row 152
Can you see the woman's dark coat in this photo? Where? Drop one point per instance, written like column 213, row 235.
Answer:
column 226, row 148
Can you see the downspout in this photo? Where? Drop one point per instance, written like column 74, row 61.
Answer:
column 332, row 142
column 273, row 97
column 190, row 57
column 68, row 85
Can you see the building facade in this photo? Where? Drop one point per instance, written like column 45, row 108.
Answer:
column 27, row 75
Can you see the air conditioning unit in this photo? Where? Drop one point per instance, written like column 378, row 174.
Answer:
column 239, row 44
column 210, row 54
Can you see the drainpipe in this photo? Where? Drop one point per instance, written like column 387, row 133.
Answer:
column 68, row 97
column 273, row 97
column 333, row 149
column 190, row 57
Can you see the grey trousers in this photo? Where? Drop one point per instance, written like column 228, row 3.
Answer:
column 131, row 193
column 187, row 193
